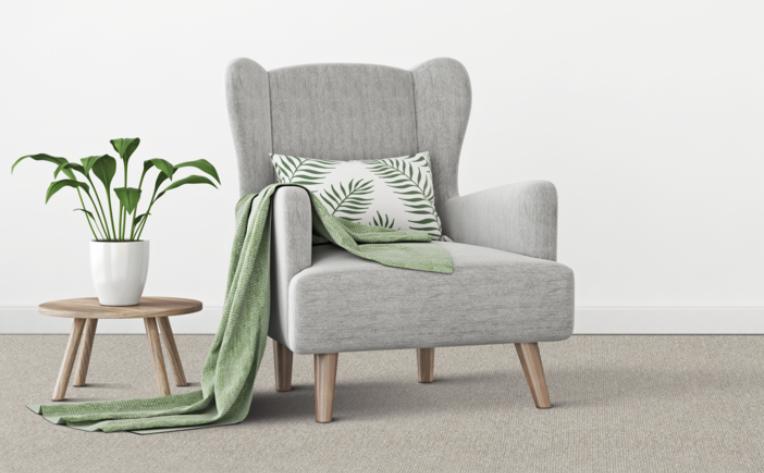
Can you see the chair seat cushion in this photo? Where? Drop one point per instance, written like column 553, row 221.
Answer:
column 343, row 303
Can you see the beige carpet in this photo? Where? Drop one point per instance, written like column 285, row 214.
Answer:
column 622, row 404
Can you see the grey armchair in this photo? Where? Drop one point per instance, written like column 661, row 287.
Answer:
column 506, row 287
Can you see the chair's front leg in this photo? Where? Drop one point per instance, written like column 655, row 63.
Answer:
column 530, row 359
column 325, row 368
column 282, row 364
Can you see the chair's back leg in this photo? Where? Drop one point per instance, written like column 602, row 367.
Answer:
column 282, row 364
column 325, row 368
column 425, row 358
column 530, row 359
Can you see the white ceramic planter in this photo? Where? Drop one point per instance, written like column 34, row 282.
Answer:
column 119, row 270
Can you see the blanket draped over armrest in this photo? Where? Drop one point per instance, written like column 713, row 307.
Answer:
column 231, row 365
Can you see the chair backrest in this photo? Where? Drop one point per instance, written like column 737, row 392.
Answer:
column 348, row 111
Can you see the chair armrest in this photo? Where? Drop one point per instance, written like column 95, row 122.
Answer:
column 291, row 251
column 521, row 218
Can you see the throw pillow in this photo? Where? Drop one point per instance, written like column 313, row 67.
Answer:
column 393, row 193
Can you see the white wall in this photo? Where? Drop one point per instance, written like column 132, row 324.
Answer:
column 647, row 115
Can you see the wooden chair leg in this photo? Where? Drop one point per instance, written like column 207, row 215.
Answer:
column 325, row 368
column 282, row 364
column 59, row 391
column 87, row 349
column 172, row 350
column 530, row 359
column 160, row 372
column 425, row 359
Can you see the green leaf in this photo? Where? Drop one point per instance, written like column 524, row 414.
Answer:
column 163, row 165
column 66, row 168
column 125, row 147
column 128, row 197
column 87, row 163
column 86, row 212
column 192, row 179
column 56, row 186
column 141, row 217
column 104, row 167
column 202, row 165
column 161, row 177
column 39, row 157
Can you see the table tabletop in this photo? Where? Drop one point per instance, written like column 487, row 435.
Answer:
column 89, row 308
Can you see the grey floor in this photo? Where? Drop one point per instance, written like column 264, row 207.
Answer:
column 622, row 404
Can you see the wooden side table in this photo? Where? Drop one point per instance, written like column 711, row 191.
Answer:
column 86, row 312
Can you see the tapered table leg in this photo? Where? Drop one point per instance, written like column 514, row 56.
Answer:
column 59, row 392
column 172, row 351
column 160, row 372
column 87, row 349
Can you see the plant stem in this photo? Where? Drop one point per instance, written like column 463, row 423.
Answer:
column 135, row 210
column 100, row 235
column 87, row 219
column 101, row 218
column 119, row 222
column 102, row 214
column 118, row 231
column 142, row 224
column 124, row 211
column 111, row 215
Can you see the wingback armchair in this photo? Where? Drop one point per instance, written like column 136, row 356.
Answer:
column 506, row 286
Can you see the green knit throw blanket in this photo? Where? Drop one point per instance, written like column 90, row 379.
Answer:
column 231, row 365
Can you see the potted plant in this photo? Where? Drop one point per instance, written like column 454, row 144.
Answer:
column 118, row 256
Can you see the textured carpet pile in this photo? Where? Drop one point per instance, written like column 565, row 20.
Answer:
column 622, row 404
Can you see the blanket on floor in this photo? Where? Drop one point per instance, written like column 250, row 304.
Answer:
column 237, row 349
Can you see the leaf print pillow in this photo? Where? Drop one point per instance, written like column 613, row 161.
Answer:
column 392, row 193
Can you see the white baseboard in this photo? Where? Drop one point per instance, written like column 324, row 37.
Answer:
column 669, row 320
column 589, row 320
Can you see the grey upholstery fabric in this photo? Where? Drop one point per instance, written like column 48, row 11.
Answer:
column 290, row 250
column 521, row 218
column 328, row 301
column 348, row 111
column 443, row 101
column 343, row 111
column 343, row 303
column 249, row 110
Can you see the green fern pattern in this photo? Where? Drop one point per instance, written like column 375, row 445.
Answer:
column 411, row 181
column 349, row 200
column 303, row 171
column 384, row 221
